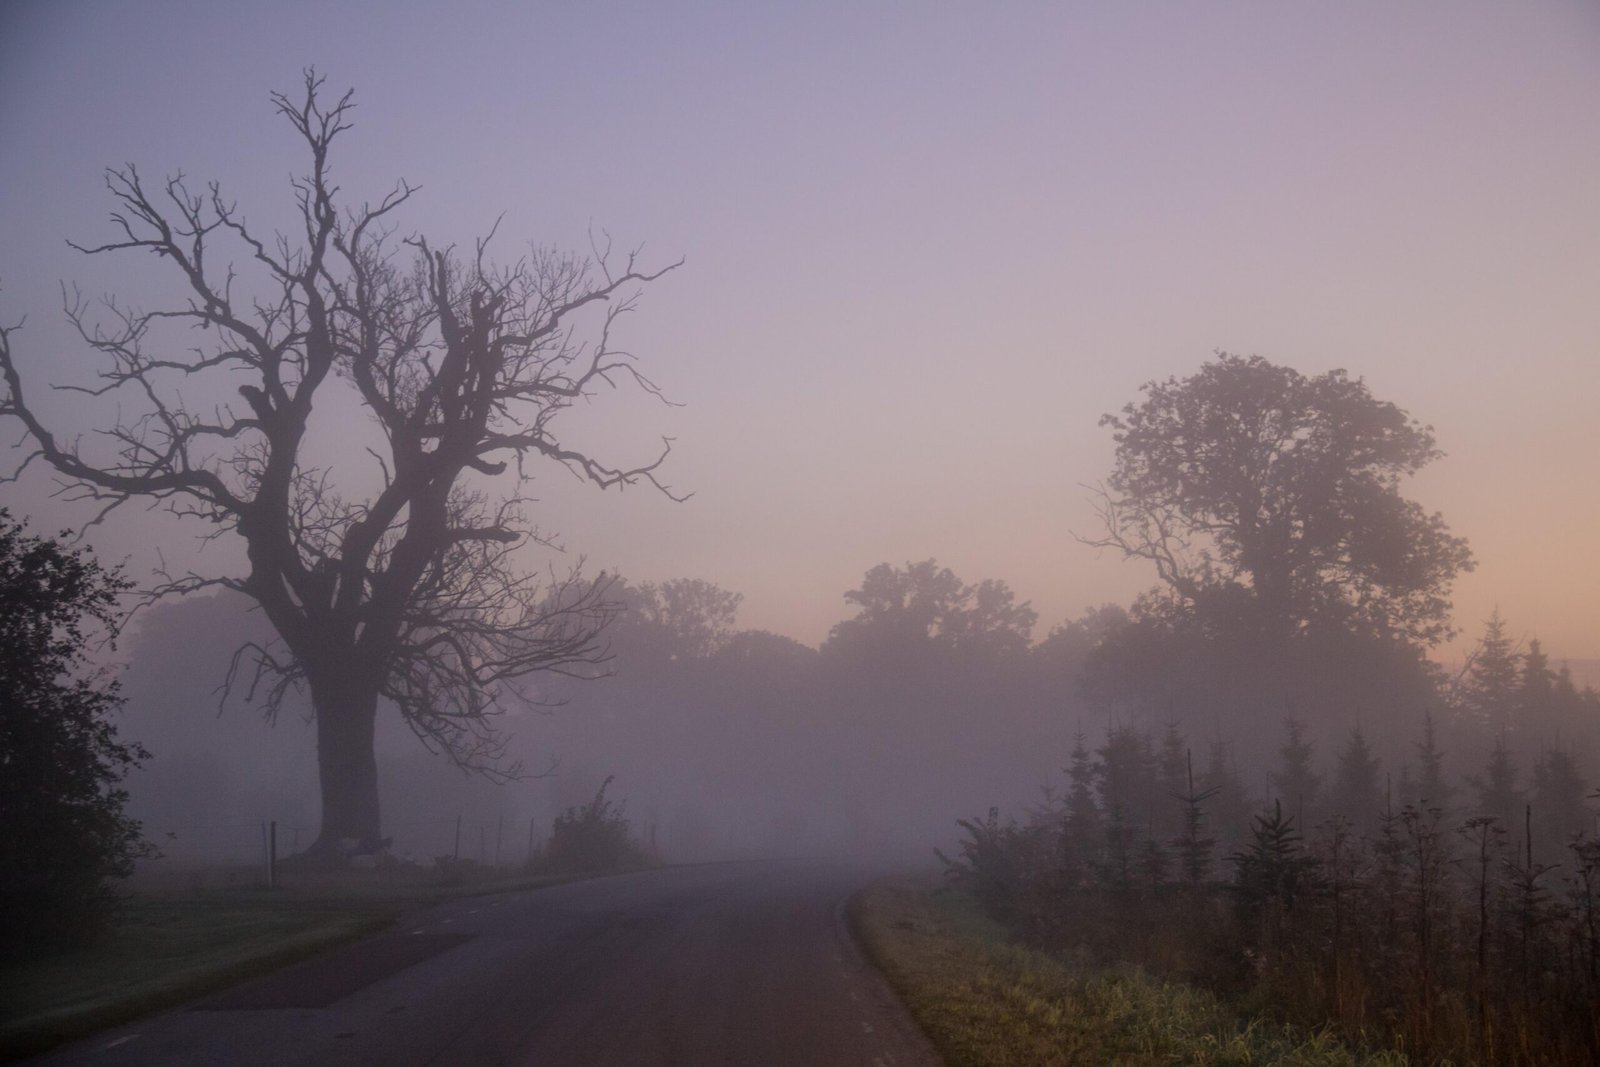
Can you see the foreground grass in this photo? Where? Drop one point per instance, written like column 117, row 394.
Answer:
column 986, row 1002
column 167, row 946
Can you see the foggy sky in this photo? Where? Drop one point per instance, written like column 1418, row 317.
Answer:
column 927, row 247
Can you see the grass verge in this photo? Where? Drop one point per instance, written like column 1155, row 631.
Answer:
column 169, row 947
column 987, row 1002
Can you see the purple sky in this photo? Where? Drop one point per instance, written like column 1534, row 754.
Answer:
column 927, row 246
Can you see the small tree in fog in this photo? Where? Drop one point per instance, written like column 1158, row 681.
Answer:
column 1296, row 781
column 1559, row 813
column 1433, row 789
column 1193, row 844
column 63, row 834
column 1355, row 793
column 1498, row 795
column 1229, row 811
column 1081, row 833
column 398, row 582
column 1492, row 681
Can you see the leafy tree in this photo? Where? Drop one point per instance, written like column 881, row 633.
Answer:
column 63, row 834
column 924, row 606
column 762, row 657
column 1270, row 500
column 409, row 592
column 1068, row 646
column 680, row 619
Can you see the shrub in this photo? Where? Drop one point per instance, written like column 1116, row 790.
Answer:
column 63, row 834
column 591, row 838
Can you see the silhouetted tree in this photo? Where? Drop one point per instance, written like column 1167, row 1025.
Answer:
column 63, row 834
column 1271, row 500
column 1081, row 830
column 1274, row 870
column 680, row 619
column 1536, row 701
column 1067, row 647
column 923, row 606
column 1492, row 679
column 463, row 367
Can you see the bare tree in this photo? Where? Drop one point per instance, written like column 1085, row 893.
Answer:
column 406, row 588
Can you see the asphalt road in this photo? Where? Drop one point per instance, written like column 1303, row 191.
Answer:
column 746, row 963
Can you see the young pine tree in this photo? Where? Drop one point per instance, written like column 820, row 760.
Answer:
column 1298, row 785
column 1559, row 812
column 1433, row 789
column 1194, row 845
column 1536, row 691
column 1493, row 678
column 1356, row 794
column 1497, row 794
column 1274, row 870
column 1125, row 774
column 1229, row 810
column 1171, row 771
column 1082, row 831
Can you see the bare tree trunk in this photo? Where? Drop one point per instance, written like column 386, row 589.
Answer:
column 347, row 767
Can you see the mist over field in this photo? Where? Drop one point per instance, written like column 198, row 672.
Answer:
column 857, row 420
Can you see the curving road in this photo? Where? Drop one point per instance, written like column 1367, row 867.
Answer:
column 747, row 963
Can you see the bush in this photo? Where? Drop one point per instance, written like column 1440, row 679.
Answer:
column 63, row 835
column 593, row 837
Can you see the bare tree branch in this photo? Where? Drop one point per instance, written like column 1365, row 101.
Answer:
column 409, row 591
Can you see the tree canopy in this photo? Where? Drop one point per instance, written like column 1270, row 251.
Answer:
column 1271, row 500
column 63, row 833
column 923, row 605
column 679, row 619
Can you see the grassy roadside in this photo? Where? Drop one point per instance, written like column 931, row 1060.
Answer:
column 986, row 1002
column 168, row 947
